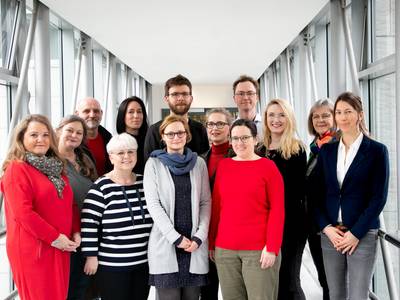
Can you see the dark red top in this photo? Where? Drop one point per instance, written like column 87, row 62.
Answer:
column 217, row 153
column 96, row 147
column 247, row 206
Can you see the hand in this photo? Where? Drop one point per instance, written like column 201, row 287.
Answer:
column 76, row 237
column 335, row 235
column 185, row 243
column 211, row 255
column 91, row 265
column 193, row 247
column 348, row 244
column 267, row 258
column 63, row 243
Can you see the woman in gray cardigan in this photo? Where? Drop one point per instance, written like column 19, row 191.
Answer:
column 178, row 199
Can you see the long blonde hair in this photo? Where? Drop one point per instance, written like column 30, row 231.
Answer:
column 289, row 145
column 17, row 150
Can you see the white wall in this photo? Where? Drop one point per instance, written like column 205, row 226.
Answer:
column 204, row 96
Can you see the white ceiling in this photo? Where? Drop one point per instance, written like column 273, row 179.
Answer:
column 209, row 41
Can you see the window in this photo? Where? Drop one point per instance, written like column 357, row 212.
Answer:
column 383, row 128
column 383, row 28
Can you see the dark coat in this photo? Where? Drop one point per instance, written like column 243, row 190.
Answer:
column 364, row 190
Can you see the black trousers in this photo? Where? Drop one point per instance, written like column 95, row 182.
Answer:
column 314, row 243
column 184, row 293
column 289, row 273
column 78, row 280
column 127, row 285
column 210, row 291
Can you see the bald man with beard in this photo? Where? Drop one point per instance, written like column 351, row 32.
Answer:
column 97, row 136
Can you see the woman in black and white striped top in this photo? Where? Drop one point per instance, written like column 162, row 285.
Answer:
column 116, row 226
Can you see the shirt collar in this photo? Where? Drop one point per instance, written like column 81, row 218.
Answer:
column 355, row 145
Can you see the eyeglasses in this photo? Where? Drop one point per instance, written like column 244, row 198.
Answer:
column 323, row 116
column 121, row 154
column 176, row 95
column 219, row 125
column 170, row 135
column 248, row 94
column 244, row 139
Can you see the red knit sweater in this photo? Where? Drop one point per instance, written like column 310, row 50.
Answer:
column 247, row 206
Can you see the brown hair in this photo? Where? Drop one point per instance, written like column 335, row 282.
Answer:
column 175, row 81
column 355, row 102
column 244, row 78
column 88, row 168
column 17, row 150
column 175, row 118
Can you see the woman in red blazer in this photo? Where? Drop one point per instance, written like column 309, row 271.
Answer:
column 41, row 230
column 353, row 175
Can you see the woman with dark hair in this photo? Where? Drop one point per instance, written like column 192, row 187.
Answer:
column 247, row 219
column 42, row 220
column 352, row 177
column 132, row 119
column 81, row 172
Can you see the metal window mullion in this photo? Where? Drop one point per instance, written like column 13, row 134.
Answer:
column 289, row 76
column 14, row 37
column 128, row 83
column 107, row 85
column 311, row 68
column 350, row 50
column 42, row 62
column 77, row 76
column 24, row 68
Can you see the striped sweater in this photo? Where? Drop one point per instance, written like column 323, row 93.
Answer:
column 107, row 228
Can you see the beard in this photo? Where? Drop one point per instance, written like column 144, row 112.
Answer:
column 180, row 109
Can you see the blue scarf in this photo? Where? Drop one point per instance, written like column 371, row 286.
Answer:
column 178, row 164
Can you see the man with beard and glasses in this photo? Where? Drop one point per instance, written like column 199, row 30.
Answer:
column 178, row 95
column 97, row 136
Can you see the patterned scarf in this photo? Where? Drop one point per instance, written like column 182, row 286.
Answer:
column 178, row 164
column 327, row 137
column 49, row 166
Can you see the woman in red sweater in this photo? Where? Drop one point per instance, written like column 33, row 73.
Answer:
column 42, row 226
column 247, row 219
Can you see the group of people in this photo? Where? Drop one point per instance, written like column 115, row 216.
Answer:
column 187, row 207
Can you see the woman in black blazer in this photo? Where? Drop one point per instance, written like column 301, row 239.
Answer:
column 353, row 175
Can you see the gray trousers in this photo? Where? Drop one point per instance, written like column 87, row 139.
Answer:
column 349, row 276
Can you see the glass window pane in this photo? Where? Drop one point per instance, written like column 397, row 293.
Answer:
column 5, row 101
column 383, row 129
column 56, row 74
column 383, row 34
column 7, row 16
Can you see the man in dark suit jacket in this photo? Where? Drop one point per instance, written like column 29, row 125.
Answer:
column 178, row 95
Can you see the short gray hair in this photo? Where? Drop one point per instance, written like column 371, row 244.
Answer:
column 121, row 142
column 223, row 111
